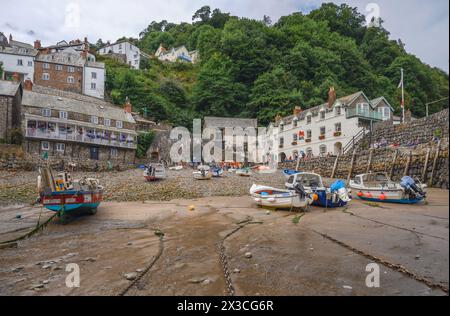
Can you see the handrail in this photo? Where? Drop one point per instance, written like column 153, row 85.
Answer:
column 355, row 139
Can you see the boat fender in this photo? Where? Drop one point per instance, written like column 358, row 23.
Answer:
column 382, row 197
column 369, row 195
column 337, row 185
column 360, row 194
column 315, row 197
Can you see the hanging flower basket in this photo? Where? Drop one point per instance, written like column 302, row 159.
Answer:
column 337, row 134
column 308, row 140
column 322, row 137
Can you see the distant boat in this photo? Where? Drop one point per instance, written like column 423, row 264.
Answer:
column 154, row 172
column 378, row 187
column 262, row 169
column 176, row 168
column 217, row 172
column 245, row 172
column 287, row 172
column 336, row 195
column 202, row 175
column 66, row 195
column 282, row 199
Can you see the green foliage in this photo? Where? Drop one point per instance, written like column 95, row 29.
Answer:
column 145, row 140
column 251, row 68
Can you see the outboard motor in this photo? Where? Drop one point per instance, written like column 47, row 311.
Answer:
column 412, row 188
column 300, row 190
column 339, row 188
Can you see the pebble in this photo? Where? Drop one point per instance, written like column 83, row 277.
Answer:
column 130, row 244
column 248, row 255
column 417, row 257
column 347, row 287
column 236, row 271
column 90, row 259
column 130, row 276
column 47, row 266
column 139, row 270
column 45, row 282
column 18, row 269
column 197, row 280
column 37, row 286
column 206, row 282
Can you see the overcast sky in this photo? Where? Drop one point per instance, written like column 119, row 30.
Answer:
column 422, row 25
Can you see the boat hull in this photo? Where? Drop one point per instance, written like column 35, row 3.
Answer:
column 69, row 201
column 324, row 201
column 275, row 198
column 153, row 178
column 390, row 196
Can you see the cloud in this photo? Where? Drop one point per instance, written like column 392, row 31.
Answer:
column 422, row 26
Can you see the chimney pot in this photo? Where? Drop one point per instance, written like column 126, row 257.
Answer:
column 128, row 108
column 16, row 77
column 37, row 44
column 331, row 97
column 28, row 85
column 297, row 110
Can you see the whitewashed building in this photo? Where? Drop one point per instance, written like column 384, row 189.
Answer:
column 330, row 128
column 131, row 52
column 94, row 76
column 176, row 53
column 16, row 58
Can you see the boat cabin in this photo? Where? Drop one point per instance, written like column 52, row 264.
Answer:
column 307, row 180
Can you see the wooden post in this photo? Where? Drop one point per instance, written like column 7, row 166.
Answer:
column 391, row 173
column 369, row 163
column 334, row 167
column 430, row 184
column 408, row 164
column 425, row 166
column 350, row 172
column 298, row 163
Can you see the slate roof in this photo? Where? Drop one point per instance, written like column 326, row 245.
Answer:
column 377, row 101
column 8, row 88
column 64, row 58
column 222, row 122
column 66, row 101
column 21, row 51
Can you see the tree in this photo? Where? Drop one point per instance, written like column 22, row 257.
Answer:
column 202, row 15
column 267, row 20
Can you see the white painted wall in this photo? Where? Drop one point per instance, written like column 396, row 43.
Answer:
column 10, row 65
column 99, row 91
column 132, row 52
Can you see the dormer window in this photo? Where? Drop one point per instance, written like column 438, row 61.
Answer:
column 295, row 121
column 322, row 114
column 308, row 119
column 338, row 110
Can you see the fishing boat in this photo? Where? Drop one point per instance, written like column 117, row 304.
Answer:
column 202, row 174
column 287, row 173
column 176, row 168
column 65, row 195
column 244, row 172
column 378, row 187
column 155, row 172
column 217, row 172
column 336, row 195
column 280, row 199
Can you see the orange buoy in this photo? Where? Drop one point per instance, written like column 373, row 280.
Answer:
column 315, row 197
column 369, row 195
column 382, row 197
column 360, row 194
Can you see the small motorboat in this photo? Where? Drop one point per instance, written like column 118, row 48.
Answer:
column 65, row 195
column 287, row 172
column 176, row 168
column 263, row 169
column 217, row 172
column 202, row 174
column 280, row 199
column 336, row 195
column 155, row 172
column 244, row 172
column 378, row 187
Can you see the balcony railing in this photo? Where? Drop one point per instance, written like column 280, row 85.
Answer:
column 364, row 114
column 37, row 133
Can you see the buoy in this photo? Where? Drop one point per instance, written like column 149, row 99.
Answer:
column 315, row 197
column 191, row 208
column 382, row 197
column 369, row 195
column 360, row 194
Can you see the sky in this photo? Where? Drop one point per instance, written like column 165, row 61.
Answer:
column 423, row 26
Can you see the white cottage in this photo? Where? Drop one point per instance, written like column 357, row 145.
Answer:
column 16, row 58
column 330, row 128
column 131, row 52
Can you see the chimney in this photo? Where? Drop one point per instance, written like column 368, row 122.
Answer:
column 28, row 85
column 297, row 110
column 331, row 97
column 277, row 118
column 37, row 44
column 127, row 107
column 10, row 38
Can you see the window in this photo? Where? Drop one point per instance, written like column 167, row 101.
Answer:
column 337, row 127
column 281, row 142
column 385, row 112
column 308, row 119
column 323, row 150
column 322, row 131
column 58, row 67
column 94, row 75
column 322, row 115
column 131, row 47
column 46, row 112
column 308, row 134
column 363, row 107
column 46, row 66
column 70, row 80
column 136, row 62
column 309, row 151
column 281, row 127
column 294, row 137
column 70, row 69
column 295, row 122
column 30, row 64
column 60, row 147
column 63, row 115
column 337, row 110
column 45, row 146
column 114, row 153
column 93, row 86
column 119, row 124
column 45, row 76
column 107, row 122
column 120, row 46
column 19, row 62
column 94, row 119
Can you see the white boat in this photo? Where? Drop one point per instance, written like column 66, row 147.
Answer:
column 277, row 198
column 202, row 175
column 176, row 168
column 337, row 195
column 244, row 172
column 378, row 187
column 154, row 172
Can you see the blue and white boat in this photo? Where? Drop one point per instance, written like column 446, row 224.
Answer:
column 378, row 187
column 217, row 172
column 288, row 173
column 336, row 195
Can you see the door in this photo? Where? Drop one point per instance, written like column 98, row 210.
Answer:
column 94, row 153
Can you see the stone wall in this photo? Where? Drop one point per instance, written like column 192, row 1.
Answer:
column 409, row 161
